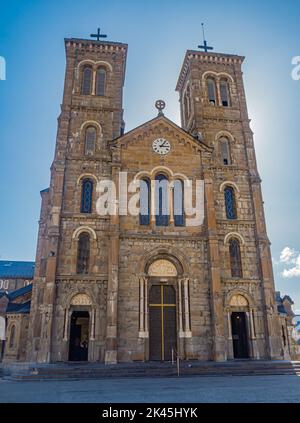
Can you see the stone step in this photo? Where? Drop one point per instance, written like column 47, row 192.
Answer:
column 99, row 371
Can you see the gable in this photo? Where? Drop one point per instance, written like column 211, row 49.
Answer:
column 164, row 128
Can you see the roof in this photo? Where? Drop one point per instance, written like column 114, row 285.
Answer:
column 16, row 269
column 18, row 308
column 22, row 291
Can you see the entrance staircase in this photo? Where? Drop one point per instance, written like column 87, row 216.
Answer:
column 80, row 370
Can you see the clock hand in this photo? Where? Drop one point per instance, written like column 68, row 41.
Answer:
column 163, row 144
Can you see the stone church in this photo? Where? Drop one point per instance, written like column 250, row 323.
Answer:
column 135, row 287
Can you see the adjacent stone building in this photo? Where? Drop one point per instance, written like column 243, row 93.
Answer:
column 135, row 286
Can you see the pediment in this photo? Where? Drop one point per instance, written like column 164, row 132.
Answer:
column 160, row 127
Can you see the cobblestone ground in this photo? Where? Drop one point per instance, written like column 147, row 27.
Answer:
column 185, row 389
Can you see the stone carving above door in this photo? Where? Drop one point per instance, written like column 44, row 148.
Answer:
column 81, row 299
column 238, row 301
column 162, row 267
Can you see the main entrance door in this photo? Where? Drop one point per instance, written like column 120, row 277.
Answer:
column 162, row 322
column 79, row 336
column 239, row 335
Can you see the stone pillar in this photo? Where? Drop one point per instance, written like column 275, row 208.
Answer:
column 187, row 326
column 272, row 327
column 181, row 333
column 230, row 344
column 253, row 335
column 217, row 313
column 113, row 280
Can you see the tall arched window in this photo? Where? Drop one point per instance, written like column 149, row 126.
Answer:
column 224, row 151
column 224, row 92
column 100, row 81
column 178, row 201
column 87, row 80
column 211, row 91
column 145, row 200
column 12, row 336
column 83, row 253
column 161, row 200
column 90, row 141
column 230, row 204
column 87, row 196
column 235, row 258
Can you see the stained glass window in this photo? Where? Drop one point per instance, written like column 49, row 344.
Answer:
column 161, row 200
column 86, row 196
column 230, row 205
column 83, row 253
column 145, row 199
column 87, row 78
column 100, row 81
column 178, row 203
column 235, row 258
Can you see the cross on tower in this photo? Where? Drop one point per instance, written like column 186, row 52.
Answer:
column 205, row 47
column 98, row 35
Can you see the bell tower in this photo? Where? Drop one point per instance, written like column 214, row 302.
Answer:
column 214, row 110
column 91, row 116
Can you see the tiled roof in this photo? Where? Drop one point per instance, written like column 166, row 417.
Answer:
column 18, row 308
column 16, row 269
column 15, row 294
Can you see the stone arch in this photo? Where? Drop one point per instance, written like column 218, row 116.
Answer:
column 87, row 123
column 224, row 134
column 88, row 176
column 231, row 184
column 234, row 235
column 81, row 229
column 103, row 63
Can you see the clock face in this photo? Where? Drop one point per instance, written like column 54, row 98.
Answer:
column 161, row 146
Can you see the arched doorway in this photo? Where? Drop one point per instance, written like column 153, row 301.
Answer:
column 239, row 326
column 79, row 336
column 162, row 310
column 79, row 328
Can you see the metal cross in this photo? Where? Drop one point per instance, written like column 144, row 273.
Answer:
column 160, row 105
column 205, row 47
column 98, row 35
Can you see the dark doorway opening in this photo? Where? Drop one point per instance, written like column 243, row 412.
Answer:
column 239, row 335
column 79, row 336
column 162, row 322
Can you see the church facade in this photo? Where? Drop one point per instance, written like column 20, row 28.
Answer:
column 121, row 287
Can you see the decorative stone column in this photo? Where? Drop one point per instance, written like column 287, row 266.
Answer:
column 230, row 342
column 143, row 315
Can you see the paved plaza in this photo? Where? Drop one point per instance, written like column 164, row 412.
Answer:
column 160, row 390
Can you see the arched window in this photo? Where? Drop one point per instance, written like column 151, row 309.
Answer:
column 235, row 258
column 178, row 201
column 87, row 196
column 87, row 79
column 90, row 141
column 224, row 150
column 12, row 336
column 161, row 200
column 224, row 92
column 83, row 253
column 187, row 104
column 100, row 81
column 230, row 204
column 145, row 200
column 211, row 91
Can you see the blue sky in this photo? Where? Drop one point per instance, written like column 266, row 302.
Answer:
column 158, row 34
